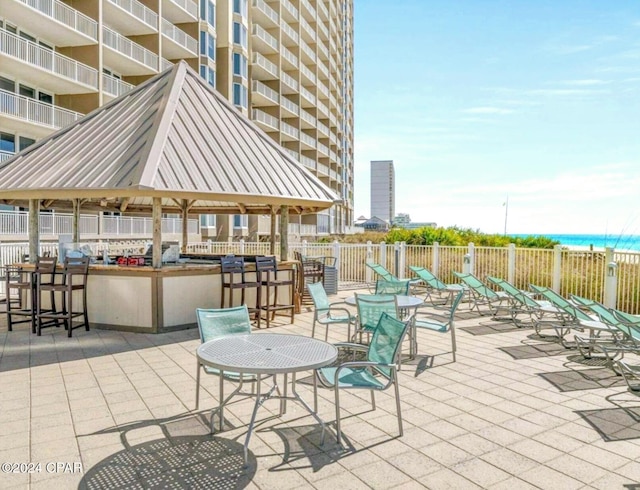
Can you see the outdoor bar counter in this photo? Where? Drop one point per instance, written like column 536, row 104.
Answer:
column 144, row 299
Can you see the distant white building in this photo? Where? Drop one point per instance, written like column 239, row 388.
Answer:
column 383, row 190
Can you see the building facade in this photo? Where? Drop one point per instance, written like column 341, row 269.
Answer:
column 383, row 190
column 287, row 64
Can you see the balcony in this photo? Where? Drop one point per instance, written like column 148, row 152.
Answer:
column 33, row 117
column 262, row 40
column 266, row 121
column 322, row 8
column 5, row 155
column 289, row 84
column 294, row 39
column 291, row 107
column 310, row 11
column 308, row 51
column 46, row 16
column 25, row 60
column 127, row 57
column 114, row 87
column 289, row 12
column 307, row 140
column 165, row 64
column 289, row 57
column 324, row 32
column 308, row 162
column 308, row 121
column 308, row 31
column 323, row 169
column 294, row 154
column 176, row 43
column 262, row 95
column 130, row 17
column 262, row 68
column 324, row 52
column 323, row 90
column 288, row 132
column 310, row 98
column 323, row 128
column 323, row 149
column 180, row 11
column 262, row 12
column 308, row 73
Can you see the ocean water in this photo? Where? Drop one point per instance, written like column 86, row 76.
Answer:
column 619, row 242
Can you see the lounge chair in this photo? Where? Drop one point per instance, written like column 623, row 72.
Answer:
column 483, row 295
column 394, row 286
column 377, row 373
column 437, row 324
column 574, row 318
column 522, row 302
column 381, row 272
column 435, row 287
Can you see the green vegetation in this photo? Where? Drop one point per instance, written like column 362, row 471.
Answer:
column 452, row 236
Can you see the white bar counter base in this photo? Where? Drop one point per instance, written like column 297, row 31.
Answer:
column 144, row 299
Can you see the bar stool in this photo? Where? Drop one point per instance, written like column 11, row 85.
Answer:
column 312, row 271
column 267, row 273
column 234, row 277
column 20, row 283
column 74, row 278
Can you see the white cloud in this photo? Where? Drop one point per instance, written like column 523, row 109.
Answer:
column 583, row 83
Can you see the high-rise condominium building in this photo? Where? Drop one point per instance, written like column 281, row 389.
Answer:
column 287, row 64
column 383, row 190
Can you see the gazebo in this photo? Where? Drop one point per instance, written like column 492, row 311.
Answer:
column 173, row 145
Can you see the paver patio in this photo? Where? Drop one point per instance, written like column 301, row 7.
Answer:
column 512, row 412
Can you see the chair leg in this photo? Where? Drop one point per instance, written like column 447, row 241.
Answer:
column 313, row 327
column 373, row 400
column 338, row 432
column 198, row 385
column 398, row 409
column 453, row 342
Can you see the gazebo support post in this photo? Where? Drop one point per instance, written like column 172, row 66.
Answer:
column 284, row 233
column 272, row 237
column 185, row 225
column 76, row 220
column 156, row 260
column 34, row 229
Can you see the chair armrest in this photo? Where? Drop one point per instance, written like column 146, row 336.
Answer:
column 352, row 345
column 345, row 310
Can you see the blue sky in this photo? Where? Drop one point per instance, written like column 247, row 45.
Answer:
column 477, row 100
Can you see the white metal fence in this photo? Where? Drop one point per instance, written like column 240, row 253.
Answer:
column 16, row 223
column 584, row 273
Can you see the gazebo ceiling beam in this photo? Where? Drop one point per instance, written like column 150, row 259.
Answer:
column 124, row 204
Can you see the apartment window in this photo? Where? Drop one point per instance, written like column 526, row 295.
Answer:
column 208, row 74
column 240, row 95
column 24, row 142
column 208, row 220
column 8, row 85
column 240, row 221
column 208, row 12
column 207, row 45
column 240, row 7
column 7, row 142
column 239, row 65
column 239, row 34
column 46, row 98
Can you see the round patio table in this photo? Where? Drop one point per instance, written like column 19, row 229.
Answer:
column 267, row 354
column 404, row 302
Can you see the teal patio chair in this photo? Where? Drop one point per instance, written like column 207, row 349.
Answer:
column 439, row 324
column 573, row 317
column 394, row 286
column 625, row 335
column 370, row 308
column 214, row 323
column 483, row 295
column 523, row 302
column 377, row 373
column 381, row 271
column 434, row 286
column 326, row 313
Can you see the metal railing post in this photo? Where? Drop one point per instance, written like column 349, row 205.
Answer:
column 557, row 268
column 610, row 293
column 472, row 258
column 435, row 266
column 368, row 260
column 383, row 254
column 511, row 263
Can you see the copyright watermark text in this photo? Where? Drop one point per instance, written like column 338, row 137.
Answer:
column 50, row 467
